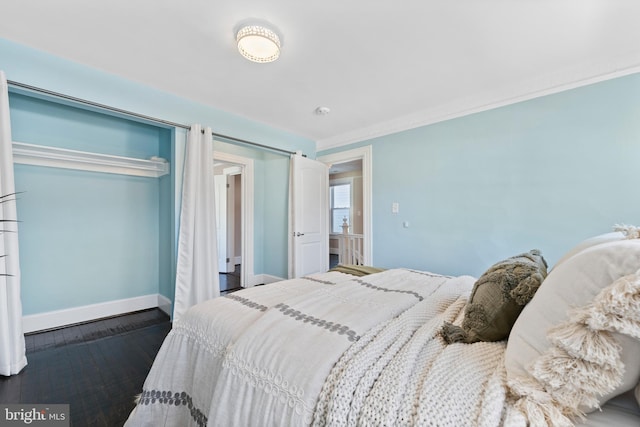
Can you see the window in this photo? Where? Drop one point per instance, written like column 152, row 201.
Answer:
column 340, row 204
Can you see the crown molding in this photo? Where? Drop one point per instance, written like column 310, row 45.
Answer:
column 566, row 79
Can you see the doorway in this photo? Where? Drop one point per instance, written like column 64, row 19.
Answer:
column 345, row 217
column 234, row 220
column 228, row 188
column 353, row 169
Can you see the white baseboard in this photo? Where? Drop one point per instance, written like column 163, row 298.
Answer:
column 264, row 279
column 70, row 316
column 238, row 260
column 166, row 305
column 267, row 278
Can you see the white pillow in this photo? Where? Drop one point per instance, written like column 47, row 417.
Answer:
column 592, row 241
column 574, row 283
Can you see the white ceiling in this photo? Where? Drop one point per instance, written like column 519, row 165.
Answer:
column 380, row 66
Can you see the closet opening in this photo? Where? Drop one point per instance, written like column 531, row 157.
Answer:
column 96, row 233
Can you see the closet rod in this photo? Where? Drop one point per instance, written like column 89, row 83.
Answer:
column 138, row 115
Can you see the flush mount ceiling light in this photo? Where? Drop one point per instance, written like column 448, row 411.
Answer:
column 258, row 43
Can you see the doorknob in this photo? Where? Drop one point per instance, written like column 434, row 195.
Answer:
column 298, row 234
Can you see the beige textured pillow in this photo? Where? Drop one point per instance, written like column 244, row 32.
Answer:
column 497, row 299
column 592, row 241
column 574, row 283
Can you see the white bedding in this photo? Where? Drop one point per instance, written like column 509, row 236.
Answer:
column 328, row 349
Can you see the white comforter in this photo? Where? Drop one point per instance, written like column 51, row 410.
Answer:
column 328, row 349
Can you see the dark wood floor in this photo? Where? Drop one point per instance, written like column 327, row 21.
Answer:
column 97, row 368
column 230, row 282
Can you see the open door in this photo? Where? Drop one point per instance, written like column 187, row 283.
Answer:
column 309, row 217
column 221, row 223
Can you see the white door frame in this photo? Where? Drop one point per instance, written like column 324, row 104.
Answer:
column 366, row 155
column 247, row 274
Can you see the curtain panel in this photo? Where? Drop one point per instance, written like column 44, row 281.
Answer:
column 197, row 277
column 12, row 347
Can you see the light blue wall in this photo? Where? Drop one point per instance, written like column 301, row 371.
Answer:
column 544, row 173
column 276, row 195
column 159, row 230
column 85, row 240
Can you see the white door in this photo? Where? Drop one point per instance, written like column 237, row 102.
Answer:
column 232, row 214
column 310, row 216
column 221, row 221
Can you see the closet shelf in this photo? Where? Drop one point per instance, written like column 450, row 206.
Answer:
column 39, row 155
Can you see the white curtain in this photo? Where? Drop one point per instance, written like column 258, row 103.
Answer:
column 197, row 277
column 12, row 348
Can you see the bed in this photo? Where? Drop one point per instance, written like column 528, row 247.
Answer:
column 369, row 348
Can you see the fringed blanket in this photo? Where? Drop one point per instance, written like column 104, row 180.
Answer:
column 332, row 349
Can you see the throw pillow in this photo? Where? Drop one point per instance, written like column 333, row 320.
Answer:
column 584, row 360
column 497, row 299
column 620, row 232
column 574, row 283
column 586, row 244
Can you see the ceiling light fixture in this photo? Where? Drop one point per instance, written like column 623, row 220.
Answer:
column 258, row 43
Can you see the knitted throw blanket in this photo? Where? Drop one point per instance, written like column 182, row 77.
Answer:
column 584, row 361
column 403, row 373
